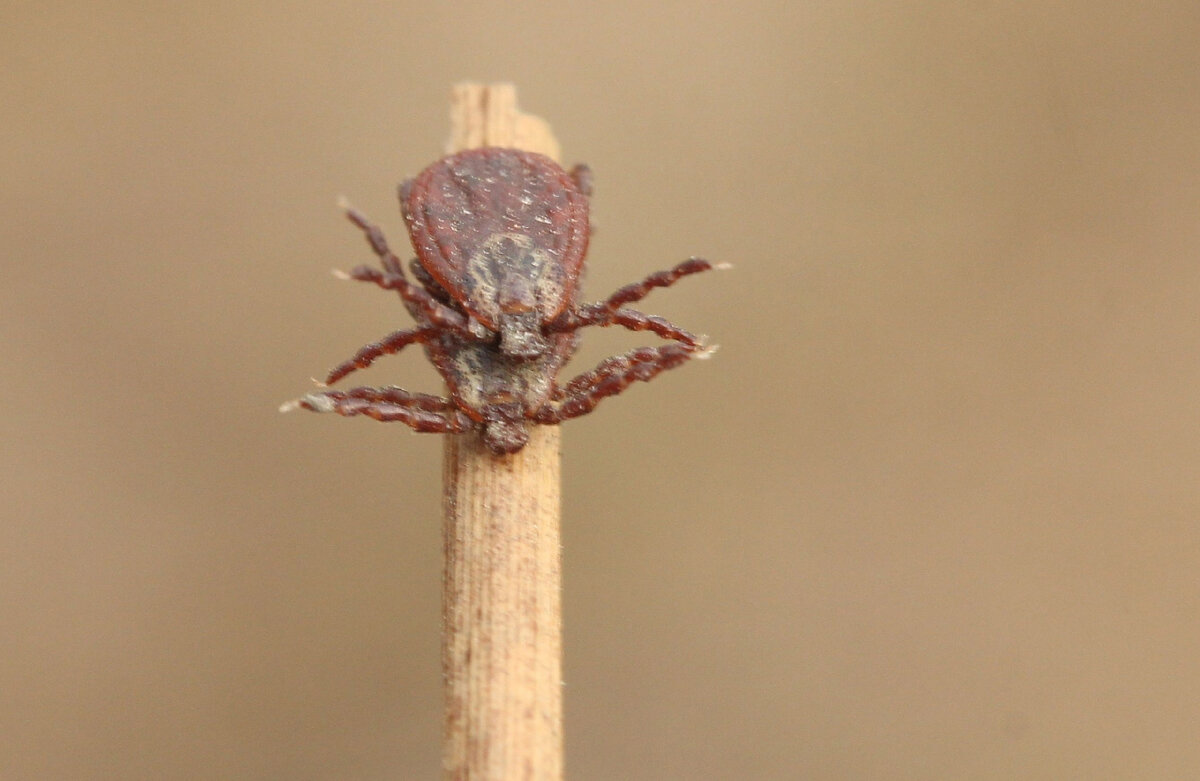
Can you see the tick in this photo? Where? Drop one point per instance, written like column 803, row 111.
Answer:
column 501, row 236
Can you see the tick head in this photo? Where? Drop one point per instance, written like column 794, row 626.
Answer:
column 504, row 428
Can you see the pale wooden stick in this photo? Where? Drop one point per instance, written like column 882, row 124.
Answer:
column 501, row 603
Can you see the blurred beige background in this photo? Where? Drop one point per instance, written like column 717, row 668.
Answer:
column 932, row 512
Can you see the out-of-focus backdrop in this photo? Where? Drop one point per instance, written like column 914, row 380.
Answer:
column 933, row 511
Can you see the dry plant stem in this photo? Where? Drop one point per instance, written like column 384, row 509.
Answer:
column 501, row 603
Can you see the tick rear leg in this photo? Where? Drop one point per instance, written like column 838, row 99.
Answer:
column 610, row 311
column 639, row 290
column 426, row 306
column 388, row 345
column 636, row 321
column 612, row 376
column 416, row 298
column 581, row 175
column 632, row 319
column 375, row 238
column 419, row 411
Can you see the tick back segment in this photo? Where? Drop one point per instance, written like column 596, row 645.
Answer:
column 501, row 237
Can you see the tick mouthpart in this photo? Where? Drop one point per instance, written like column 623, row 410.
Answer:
column 504, row 429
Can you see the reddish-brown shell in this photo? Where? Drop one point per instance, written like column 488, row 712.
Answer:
column 481, row 218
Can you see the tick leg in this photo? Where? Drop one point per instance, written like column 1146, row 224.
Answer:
column 610, row 311
column 632, row 319
column 639, row 290
column 394, row 395
column 416, row 298
column 426, row 306
column 636, row 321
column 376, row 239
column 613, row 375
column 581, row 175
column 420, row 411
column 388, row 345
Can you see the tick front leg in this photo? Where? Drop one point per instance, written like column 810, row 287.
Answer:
column 388, row 345
column 394, row 395
column 612, row 376
column 419, row 411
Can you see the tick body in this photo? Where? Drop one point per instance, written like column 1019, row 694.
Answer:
column 501, row 236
